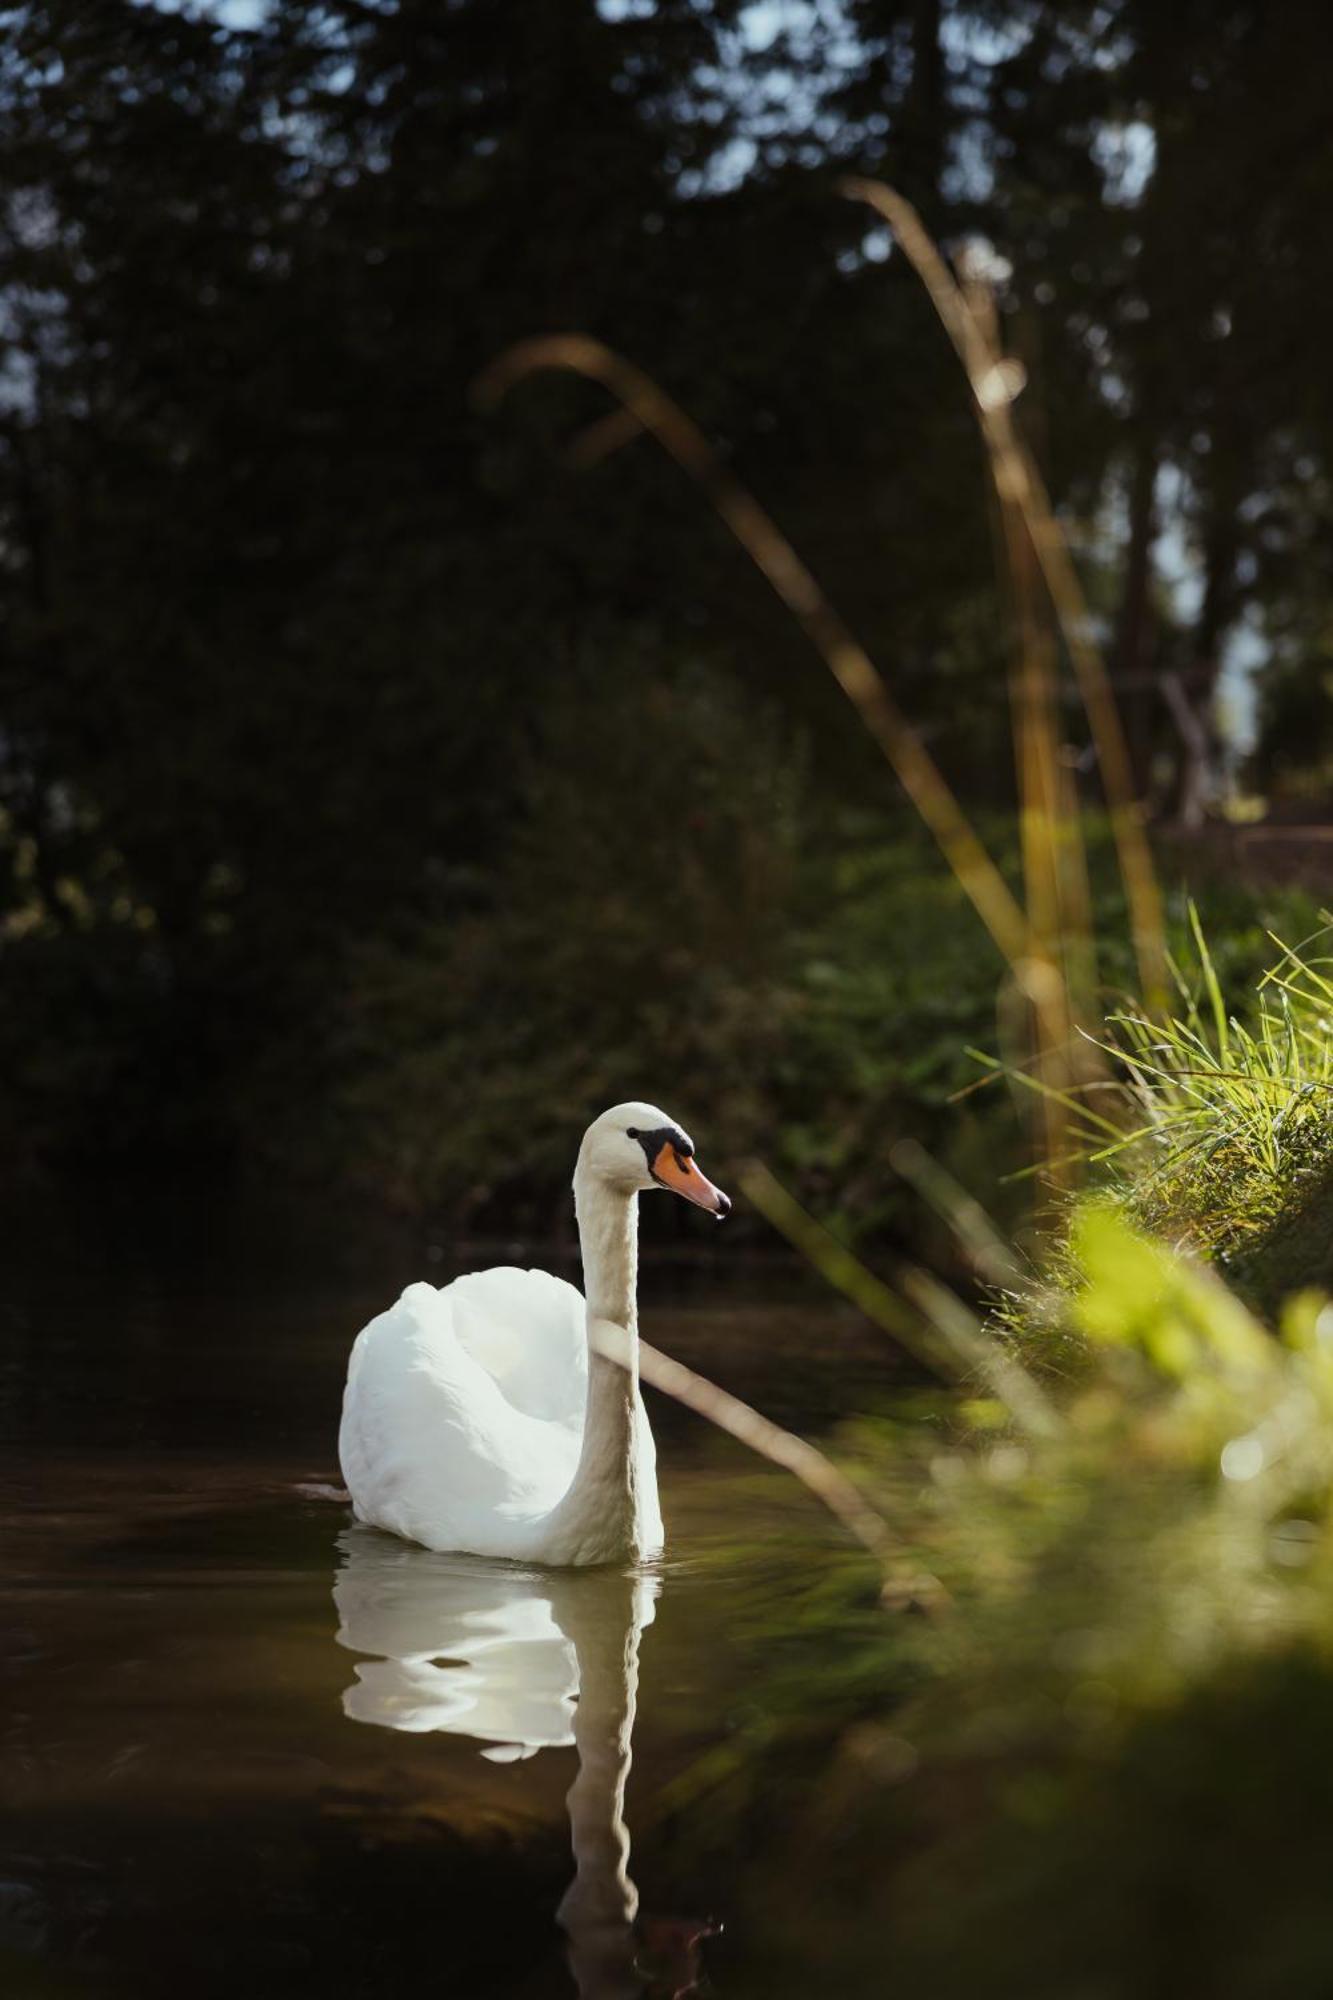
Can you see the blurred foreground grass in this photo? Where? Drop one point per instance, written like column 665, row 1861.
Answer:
column 1104, row 1769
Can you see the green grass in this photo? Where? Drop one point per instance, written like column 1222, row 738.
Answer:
column 1216, row 1132
column 1237, row 1115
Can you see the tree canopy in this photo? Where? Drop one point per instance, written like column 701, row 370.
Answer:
column 292, row 629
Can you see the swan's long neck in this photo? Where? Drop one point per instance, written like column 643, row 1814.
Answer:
column 608, row 1221
column 601, row 1511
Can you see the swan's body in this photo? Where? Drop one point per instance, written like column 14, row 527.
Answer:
column 464, row 1419
column 488, row 1417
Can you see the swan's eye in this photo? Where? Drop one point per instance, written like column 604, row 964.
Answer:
column 631, row 1131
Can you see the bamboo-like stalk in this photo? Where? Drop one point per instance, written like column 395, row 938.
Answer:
column 653, row 411
column 1048, row 825
column 1019, row 485
column 1042, row 832
column 950, row 1339
column 991, row 1257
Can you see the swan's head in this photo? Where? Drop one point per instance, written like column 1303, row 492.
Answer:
column 635, row 1147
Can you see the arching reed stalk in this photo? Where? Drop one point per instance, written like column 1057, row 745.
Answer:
column 906, row 1582
column 1047, row 941
column 647, row 407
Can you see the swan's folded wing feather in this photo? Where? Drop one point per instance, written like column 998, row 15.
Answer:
column 527, row 1330
column 436, row 1442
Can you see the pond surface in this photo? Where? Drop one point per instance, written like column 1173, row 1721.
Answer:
column 249, row 1747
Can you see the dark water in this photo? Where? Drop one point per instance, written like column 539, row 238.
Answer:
column 250, row 1748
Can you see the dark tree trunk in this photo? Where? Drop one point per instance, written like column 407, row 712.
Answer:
column 1134, row 637
column 1191, row 703
column 924, row 116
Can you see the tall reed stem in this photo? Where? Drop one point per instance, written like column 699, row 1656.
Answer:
column 1020, row 487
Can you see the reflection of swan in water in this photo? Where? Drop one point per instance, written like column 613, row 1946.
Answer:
column 466, row 1647
column 521, row 1659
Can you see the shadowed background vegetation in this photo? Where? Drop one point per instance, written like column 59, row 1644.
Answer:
column 379, row 790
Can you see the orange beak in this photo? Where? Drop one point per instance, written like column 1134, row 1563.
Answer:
column 672, row 1170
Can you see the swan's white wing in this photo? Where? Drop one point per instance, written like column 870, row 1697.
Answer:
column 528, row 1331
column 463, row 1411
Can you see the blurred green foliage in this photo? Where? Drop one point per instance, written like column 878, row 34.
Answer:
column 1098, row 1769
column 697, row 925
column 676, row 924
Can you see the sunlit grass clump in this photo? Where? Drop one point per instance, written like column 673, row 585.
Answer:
column 1237, row 1119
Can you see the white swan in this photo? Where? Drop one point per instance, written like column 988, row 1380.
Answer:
column 485, row 1418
